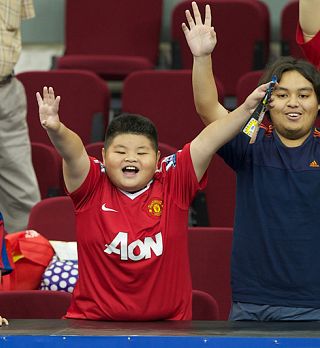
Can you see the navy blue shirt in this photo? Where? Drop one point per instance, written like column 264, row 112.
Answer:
column 276, row 247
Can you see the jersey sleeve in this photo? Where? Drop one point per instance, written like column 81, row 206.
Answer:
column 179, row 173
column 311, row 48
column 81, row 196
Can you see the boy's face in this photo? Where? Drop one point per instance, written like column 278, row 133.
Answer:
column 294, row 107
column 130, row 161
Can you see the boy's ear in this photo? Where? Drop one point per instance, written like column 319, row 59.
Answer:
column 158, row 156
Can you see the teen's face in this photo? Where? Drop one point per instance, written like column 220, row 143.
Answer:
column 130, row 161
column 294, row 108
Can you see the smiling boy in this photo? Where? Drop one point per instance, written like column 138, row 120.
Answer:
column 132, row 216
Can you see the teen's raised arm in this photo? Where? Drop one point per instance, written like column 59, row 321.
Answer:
column 217, row 133
column 202, row 39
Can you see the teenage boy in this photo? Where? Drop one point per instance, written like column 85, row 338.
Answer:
column 275, row 258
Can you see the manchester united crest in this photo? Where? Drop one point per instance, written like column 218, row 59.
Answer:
column 155, row 207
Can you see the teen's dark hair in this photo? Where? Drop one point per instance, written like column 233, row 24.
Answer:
column 127, row 123
column 284, row 64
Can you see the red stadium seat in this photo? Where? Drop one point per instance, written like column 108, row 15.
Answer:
column 84, row 105
column 204, row 306
column 54, row 218
column 94, row 149
column 166, row 97
column 34, row 304
column 47, row 166
column 243, row 31
column 210, row 252
column 247, row 83
column 112, row 38
column 220, row 193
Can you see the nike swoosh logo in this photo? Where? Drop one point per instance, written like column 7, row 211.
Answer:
column 104, row 208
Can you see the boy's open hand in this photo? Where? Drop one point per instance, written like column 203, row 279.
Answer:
column 48, row 109
column 200, row 37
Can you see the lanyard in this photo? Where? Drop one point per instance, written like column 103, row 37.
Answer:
column 252, row 126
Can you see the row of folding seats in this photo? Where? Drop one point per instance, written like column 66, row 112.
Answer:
column 209, row 247
column 114, row 39
column 49, row 304
column 163, row 96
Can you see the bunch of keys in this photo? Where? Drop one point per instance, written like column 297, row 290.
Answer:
column 252, row 126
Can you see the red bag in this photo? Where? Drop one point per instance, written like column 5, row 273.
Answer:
column 31, row 254
column 6, row 264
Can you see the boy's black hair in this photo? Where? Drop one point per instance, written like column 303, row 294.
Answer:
column 127, row 123
column 284, row 64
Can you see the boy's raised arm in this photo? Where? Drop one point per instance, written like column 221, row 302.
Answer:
column 76, row 162
column 309, row 18
column 217, row 133
column 202, row 39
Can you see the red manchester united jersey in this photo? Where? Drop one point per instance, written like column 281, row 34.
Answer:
column 133, row 248
column 311, row 48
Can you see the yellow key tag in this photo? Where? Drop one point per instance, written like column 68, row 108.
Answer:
column 250, row 127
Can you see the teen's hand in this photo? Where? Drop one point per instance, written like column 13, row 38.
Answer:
column 255, row 97
column 200, row 36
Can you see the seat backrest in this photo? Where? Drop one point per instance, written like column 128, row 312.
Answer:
column 242, row 46
column 247, row 83
column 220, row 193
column 210, row 252
column 94, row 149
column 47, row 166
column 34, row 304
column 84, row 105
column 54, row 218
column 204, row 306
column 113, row 27
column 165, row 96
column 288, row 26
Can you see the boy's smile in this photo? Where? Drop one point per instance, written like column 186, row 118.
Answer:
column 130, row 161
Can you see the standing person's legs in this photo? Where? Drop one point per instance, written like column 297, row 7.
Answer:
column 19, row 189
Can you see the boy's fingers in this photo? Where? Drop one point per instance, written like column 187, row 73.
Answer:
column 45, row 92
column 189, row 19
column 57, row 101
column 213, row 33
column 51, row 92
column 207, row 18
column 196, row 13
column 39, row 99
column 184, row 28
